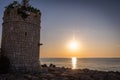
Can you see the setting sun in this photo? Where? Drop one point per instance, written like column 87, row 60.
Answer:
column 73, row 45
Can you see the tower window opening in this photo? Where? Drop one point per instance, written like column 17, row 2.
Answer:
column 25, row 33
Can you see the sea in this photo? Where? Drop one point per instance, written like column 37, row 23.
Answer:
column 102, row 64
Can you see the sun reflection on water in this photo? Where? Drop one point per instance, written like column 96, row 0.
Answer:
column 74, row 62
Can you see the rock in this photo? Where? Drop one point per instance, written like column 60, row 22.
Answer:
column 85, row 77
column 44, row 79
column 112, row 76
column 59, row 73
column 11, row 77
column 27, row 76
column 35, row 78
column 52, row 65
column 44, row 65
column 61, row 78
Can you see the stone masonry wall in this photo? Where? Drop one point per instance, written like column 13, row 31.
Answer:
column 20, row 40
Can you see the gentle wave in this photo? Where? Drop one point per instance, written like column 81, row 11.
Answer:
column 103, row 64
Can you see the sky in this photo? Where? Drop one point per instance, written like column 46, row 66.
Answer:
column 94, row 24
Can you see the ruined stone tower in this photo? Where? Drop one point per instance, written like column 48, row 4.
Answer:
column 21, row 36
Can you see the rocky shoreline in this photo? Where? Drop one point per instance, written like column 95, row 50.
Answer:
column 60, row 73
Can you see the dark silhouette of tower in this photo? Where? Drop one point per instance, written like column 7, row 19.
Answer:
column 21, row 36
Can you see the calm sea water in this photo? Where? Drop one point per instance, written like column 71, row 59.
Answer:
column 104, row 64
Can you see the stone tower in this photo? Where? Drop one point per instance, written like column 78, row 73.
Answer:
column 21, row 36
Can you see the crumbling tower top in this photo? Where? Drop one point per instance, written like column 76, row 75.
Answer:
column 25, row 3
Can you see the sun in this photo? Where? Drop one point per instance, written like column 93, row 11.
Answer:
column 73, row 45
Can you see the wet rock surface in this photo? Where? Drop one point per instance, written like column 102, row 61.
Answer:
column 61, row 73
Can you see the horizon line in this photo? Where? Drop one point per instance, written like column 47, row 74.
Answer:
column 82, row 57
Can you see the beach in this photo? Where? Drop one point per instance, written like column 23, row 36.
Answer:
column 52, row 72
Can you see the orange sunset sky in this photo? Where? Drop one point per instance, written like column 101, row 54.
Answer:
column 92, row 27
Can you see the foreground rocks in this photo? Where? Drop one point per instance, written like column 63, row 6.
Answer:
column 61, row 73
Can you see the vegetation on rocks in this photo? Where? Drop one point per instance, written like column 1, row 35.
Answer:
column 23, row 10
column 13, row 5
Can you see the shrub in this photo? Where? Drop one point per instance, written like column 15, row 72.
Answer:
column 4, row 64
